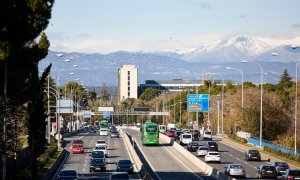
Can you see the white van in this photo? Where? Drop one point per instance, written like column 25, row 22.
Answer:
column 185, row 138
column 162, row 128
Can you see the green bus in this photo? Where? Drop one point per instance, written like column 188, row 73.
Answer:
column 150, row 134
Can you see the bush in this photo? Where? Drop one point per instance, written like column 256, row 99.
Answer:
column 282, row 154
column 234, row 137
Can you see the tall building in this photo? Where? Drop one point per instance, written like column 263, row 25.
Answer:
column 128, row 83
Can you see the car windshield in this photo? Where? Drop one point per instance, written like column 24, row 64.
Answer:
column 120, row 176
column 100, row 142
column 236, row 166
column 68, row 173
column 97, row 161
column 124, row 162
column 194, row 144
column 100, row 148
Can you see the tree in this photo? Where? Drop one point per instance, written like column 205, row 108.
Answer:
column 21, row 23
column 104, row 95
column 149, row 94
column 285, row 77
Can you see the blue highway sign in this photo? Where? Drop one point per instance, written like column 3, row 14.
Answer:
column 198, row 102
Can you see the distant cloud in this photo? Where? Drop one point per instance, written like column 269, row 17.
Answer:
column 296, row 25
column 242, row 16
column 58, row 36
column 203, row 5
column 82, row 35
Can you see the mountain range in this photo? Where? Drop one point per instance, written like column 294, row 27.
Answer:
column 97, row 69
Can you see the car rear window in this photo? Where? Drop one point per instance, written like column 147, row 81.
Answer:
column 68, row 173
column 101, row 142
column 214, row 154
column 281, row 164
column 253, row 152
column 212, row 143
column 186, row 136
column 207, row 133
column 268, row 168
column 295, row 172
column 236, row 166
column 151, row 128
column 203, row 148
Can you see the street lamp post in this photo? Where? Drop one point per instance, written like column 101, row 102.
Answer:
column 242, row 82
column 296, row 99
column 261, row 102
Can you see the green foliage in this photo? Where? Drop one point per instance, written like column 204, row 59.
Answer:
column 285, row 77
column 282, row 154
column 234, row 137
column 103, row 94
column 149, row 94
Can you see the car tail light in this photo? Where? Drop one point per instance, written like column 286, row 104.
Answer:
column 263, row 170
column 290, row 177
column 243, row 170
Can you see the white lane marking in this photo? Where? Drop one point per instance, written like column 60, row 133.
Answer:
column 183, row 163
column 148, row 161
column 131, row 159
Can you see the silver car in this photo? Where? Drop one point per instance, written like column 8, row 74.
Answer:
column 202, row 151
column 236, row 170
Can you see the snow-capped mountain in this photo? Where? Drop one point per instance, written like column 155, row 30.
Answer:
column 236, row 49
column 96, row 69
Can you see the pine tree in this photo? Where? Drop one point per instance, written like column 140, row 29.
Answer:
column 285, row 77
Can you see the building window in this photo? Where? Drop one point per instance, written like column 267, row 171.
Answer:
column 128, row 78
column 128, row 83
column 128, row 88
column 128, row 72
column 128, row 94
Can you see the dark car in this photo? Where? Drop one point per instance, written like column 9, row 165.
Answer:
column 119, row 176
column 281, row 167
column 114, row 134
column 266, row 171
column 177, row 134
column 252, row 155
column 97, row 155
column 67, row 174
column 291, row 174
column 125, row 166
column 195, row 134
column 212, row 146
column 97, row 165
column 192, row 146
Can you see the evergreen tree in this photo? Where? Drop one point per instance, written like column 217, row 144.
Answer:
column 285, row 77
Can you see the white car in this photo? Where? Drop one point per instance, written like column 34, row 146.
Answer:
column 202, row 151
column 101, row 143
column 102, row 148
column 237, row 170
column 207, row 135
column 212, row 156
column 103, row 132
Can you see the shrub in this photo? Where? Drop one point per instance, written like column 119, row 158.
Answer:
column 237, row 139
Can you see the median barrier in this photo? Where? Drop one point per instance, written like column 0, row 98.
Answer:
column 135, row 157
column 55, row 166
column 196, row 161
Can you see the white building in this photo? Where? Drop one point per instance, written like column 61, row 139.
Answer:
column 128, row 82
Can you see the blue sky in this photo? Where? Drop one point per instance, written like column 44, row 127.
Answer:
column 107, row 26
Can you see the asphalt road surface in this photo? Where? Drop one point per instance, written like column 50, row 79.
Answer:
column 80, row 162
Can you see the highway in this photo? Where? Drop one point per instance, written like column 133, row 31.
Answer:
column 231, row 155
column 166, row 162
column 80, row 162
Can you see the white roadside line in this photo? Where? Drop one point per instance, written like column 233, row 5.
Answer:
column 182, row 163
column 148, row 161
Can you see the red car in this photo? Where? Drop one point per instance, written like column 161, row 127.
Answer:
column 170, row 133
column 77, row 147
